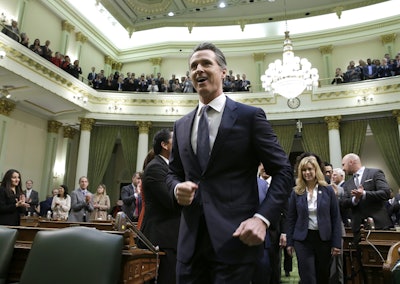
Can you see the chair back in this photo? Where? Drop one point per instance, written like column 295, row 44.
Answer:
column 8, row 237
column 78, row 255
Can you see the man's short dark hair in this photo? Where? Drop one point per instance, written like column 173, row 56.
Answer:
column 161, row 136
column 220, row 57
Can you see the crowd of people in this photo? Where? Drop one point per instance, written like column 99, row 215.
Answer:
column 200, row 184
column 367, row 70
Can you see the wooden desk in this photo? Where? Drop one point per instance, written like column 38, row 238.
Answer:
column 351, row 265
column 138, row 265
column 99, row 225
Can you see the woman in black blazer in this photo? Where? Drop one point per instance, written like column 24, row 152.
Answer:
column 314, row 229
column 12, row 200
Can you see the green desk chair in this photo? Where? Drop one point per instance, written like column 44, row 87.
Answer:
column 78, row 255
column 7, row 240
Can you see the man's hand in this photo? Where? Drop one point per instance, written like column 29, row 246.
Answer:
column 358, row 193
column 251, row 231
column 185, row 192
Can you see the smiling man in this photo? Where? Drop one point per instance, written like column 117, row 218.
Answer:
column 216, row 150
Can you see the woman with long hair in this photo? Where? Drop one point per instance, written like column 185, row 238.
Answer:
column 61, row 204
column 314, row 223
column 101, row 204
column 12, row 200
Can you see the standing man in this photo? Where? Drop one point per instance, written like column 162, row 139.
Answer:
column 131, row 198
column 365, row 193
column 81, row 202
column 162, row 214
column 216, row 150
column 32, row 197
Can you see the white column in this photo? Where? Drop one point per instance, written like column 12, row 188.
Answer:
column 84, row 146
column 335, row 149
column 66, row 29
column 396, row 114
column 143, row 143
column 6, row 107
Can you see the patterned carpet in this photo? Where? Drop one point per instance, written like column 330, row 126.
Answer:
column 294, row 275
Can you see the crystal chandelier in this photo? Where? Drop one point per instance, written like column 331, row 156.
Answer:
column 291, row 76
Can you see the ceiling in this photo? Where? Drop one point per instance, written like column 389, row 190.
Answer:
column 137, row 15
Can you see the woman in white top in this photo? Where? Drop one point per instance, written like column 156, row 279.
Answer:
column 61, row 204
column 101, row 204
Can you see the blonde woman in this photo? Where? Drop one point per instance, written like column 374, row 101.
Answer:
column 101, row 204
column 61, row 204
column 314, row 223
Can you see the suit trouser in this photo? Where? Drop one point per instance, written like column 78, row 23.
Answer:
column 313, row 259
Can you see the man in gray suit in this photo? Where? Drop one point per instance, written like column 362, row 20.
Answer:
column 32, row 197
column 81, row 202
column 130, row 197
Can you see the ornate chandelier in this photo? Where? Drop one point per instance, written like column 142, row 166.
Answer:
column 291, row 76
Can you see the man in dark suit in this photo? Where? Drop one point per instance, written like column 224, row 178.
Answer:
column 32, row 197
column 365, row 193
column 162, row 214
column 130, row 198
column 81, row 202
column 213, row 176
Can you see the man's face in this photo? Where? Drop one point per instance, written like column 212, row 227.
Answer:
column 328, row 171
column 83, row 183
column 336, row 177
column 346, row 166
column 29, row 184
column 206, row 74
column 135, row 179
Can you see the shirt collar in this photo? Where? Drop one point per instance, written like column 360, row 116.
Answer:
column 360, row 171
column 216, row 104
column 165, row 159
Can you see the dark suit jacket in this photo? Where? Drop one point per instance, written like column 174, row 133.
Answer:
column 162, row 214
column 129, row 200
column 9, row 214
column 227, row 189
column 328, row 217
column 377, row 192
column 34, row 197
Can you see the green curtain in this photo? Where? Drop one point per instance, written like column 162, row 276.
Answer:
column 129, row 140
column 285, row 134
column 315, row 139
column 386, row 134
column 352, row 136
column 102, row 141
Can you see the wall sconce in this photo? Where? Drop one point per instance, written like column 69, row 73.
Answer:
column 365, row 99
column 299, row 127
column 171, row 110
column 2, row 54
column 81, row 98
column 114, row 106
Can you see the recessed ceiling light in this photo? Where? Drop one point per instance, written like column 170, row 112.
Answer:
column 171, row 14
column 222, row 5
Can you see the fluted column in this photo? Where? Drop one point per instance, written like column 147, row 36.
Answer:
column 84, row 146
column 156, row 63
column 50, row 158
column 143, row 143
column 6, row 107
column 388, row 42
column 107, row 65
column 66, row 29
column 326, row 52
column 260, row 70
column 80, row 41
column 60, row 171
column 396, row 114
column 335, row 149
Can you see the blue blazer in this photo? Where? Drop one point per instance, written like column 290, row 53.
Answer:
column 227, row 188
column 328, row 217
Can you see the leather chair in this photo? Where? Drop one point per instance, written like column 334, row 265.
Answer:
column 8, row 237
column 78, row 255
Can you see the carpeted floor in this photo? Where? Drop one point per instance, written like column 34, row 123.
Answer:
column 294, row 275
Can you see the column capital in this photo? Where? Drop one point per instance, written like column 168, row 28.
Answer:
column 389, row 38
column 81, row 37
column 333, row 121
column 53, row 126
column 396, row 114
column 144, row 126
column 117, row 65
column 259, row 56
column 108, row 60
column 6, row 107
column 86, row 123
column 156, row 61
column 327, row 49
column 67, row 26
column 69, row 132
